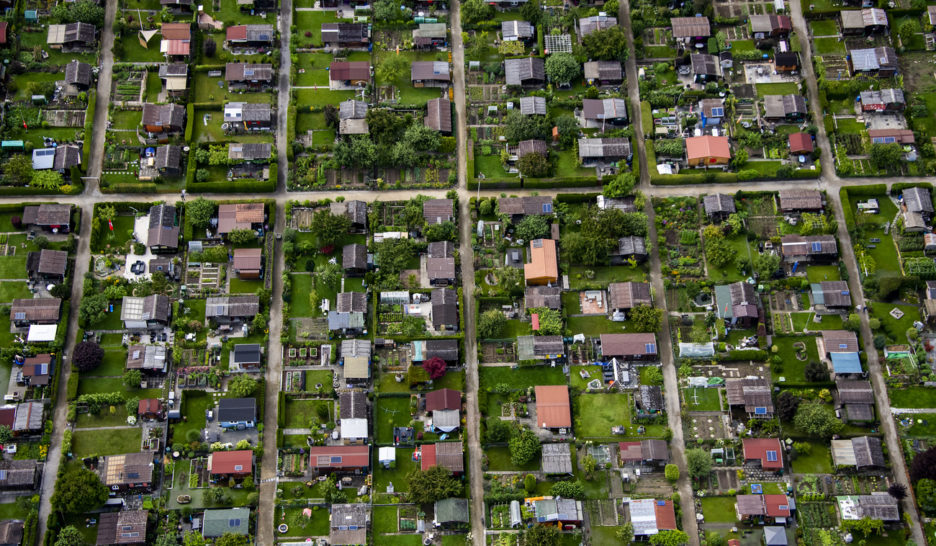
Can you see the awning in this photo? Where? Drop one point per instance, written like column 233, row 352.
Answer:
column 41, row 332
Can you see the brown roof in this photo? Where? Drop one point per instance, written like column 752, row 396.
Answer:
column 628, row 344
column 902, row 136
column 840, row 341
column 239, row 216
column 354, row 256
column 17, row 474
column 627, row 295
column 527, row 147
column 148, row 405
column 552, row 406
column 36, row 309
column 239, row 72
column 11, row 531
column 752, row 393
column 810, row 245
column 440, row 268
column 47, row 215
column 176, row 31
column 690, row 27
column 854, row 391
column 441, row 249
column 164, row 115
column 349, row 70
column 800, row 200
column 248, row 259
column 163, row 230
column 800, row 142
column 130, row 468
column 48, row 262
column 767, row 450
column 665, row 515
column 339, row 456
column 38, row 369
column 447, row 454
column 542, row 296
column 439, row 115
column 436, row 211
column 443, row 399
column 352, row 302
column 429, row 70
column 126, row 527
column 527, row 206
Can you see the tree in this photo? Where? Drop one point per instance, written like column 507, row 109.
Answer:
column 866, row 526
column 621, row 185
column 49, row 180
column 567, row 127
column 625, row 533
column 739, row 159
column 653, row 375
column 132, row 379
column 786, row 405
column 699, row 462
column 898, row 491
column 765, row 265
column 568, row 490
column 193, row 538
column 390, row 68
column 853, row 322
column 231, row 539
column 242, row 236
column 524, row 447
column 93, row 309
column 421, row 138
column 645, row 318
column 358, row 151
column 242, row 386
column 608, row 44
column 518, row 127
column 816, row 372
column 435, row 367
column 330, row 228
column 671, row 473
column 491, row 324
column 6, row 434
column 435, row 483
column 70, row 536
column 550, row 321
column 199, row 212
column 529, row 483
column 532, row 11
column 444, row 231
column 79, row 491
column 541, row 535
column 534, row 165
column 906, row 30
column 817, row 419
column 887, row 157
column 497, row 431
column 923, row 465
column 18, row 170
column 87, row 356
column 83, row 11
column 532, row 227
column 669, row 538
column 926, row 495
column 475, row 11
column 390, row 11
column 563, row 68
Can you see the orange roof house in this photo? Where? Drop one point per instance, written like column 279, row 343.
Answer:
column 708, row 150
column 544, row 266
column 552, row 406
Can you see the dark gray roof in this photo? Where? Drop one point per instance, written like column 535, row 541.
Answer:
column 854, row 391
column 164, row 115
column 690, row 27
column 163, row 230
column 527, row 147
column 704, row 64
column 650, row 397
column 872, row 59
column 868, row 451
column 241, row 72
column 78, row 73
column 749, row 392
column 232, row 306
column 344, row 33
column 612, row 148
column 66, row 157
column 436, row 211
column 237, row 409
column 47, row 215
column 352, row 302
column 718, row 202
column 632, row 246
column 247, row 353
column 354, row 256
column 18, row 473
column 47, row 262
column 441, row 249
column 533, row 105
column 446, row 349
column 516, row 30
column 352, row 109
column 352, row 405
column 604, row 109
column 444, row 307
column 173, row 69
column 169, row 157
column 878, row 506
column 779, row 106
column 542, row 296
column 125, row 527
column 587, row 25
column 439, row 115
column 882, row 97
column 557, row 459
column 627, row 295
column 355, row 210
column 918, row 200
column 603, row 70
column 430, row 70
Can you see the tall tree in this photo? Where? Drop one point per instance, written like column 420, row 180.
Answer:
column 87, row 356
column 609, row 44
column 199, row 212
column 699, row 462
column 563, row 68
column 329, row 228
column 817, row 419
column 435, row 483
column 79, row 491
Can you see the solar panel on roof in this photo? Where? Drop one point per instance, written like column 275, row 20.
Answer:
column 19, row 315
column 816, row 246
column 784, row 507
column 238, row 467
column 661, row 503
column 760, row 410
column 843, row 345
column 336, row 459
column 234, row 522
column 771, row 455
column 718, row 111
column 650, row 348
column 547, row 207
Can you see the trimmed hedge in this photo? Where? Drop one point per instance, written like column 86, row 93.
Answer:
column 88, row 124
column 28, row 190
column 226, row 186
column 722, row 178
column 189, row 120
column 564, row 182
column 72, row 385
column 576, row 197
column 496, row 183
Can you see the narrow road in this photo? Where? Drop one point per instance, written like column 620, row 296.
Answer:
column 882, row 401
column 633, row 91
column 101, row 103
column 274, row 370
column 473, row 414
column 671, row 385
column 60, row 412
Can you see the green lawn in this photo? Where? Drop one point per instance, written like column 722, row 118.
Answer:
column 13, row 267
column 114, row 363
column 384, row 519
column 819, row 273
column 823, row 27
column 603, row 275
column 11, row 290
column 912, row 397
column 106, row 442
column 850, row 126
column 520, row 378
column 785, row 88
column 315, row 66
column 126, row 119
column 301, row 526
column 499, row 460
column 719, row 509
column 923, row 425
column 702, row 399
column 209, row 130
column 397, row 474
column 743, row 45
column 659, row 52
column 896, row 330
column 320, row 97
column 128, row 49
column 300, row 412
column 792, row 369
column 153, row 86
column 311, row 23
column 123, row 228
column 111, row 320
column 299, row 304
column 828, row 46
column 595, row 414
column 567, row 165
column 818, row 461
column 194, row 405
column 489, row 165
column 241, row 286
column 593, row 325
column 390, row 412
column 594, row 372
column 209, row 89
column 103, row 419
column 742, row 250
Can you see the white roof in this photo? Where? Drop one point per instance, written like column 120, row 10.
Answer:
column 643, row 516
column 354, row 428
column 43, row 158
column 386, row 454
column 41, row 332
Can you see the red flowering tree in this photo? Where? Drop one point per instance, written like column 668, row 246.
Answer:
column 435, row 367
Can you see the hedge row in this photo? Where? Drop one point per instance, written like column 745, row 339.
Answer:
column 563, row 182
column 721, row 178
column 28, row 190
column 131, row 187
column 497, row 183
column 239, row 186
column 576, row 197
column 88, row 124
column 189, row 120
